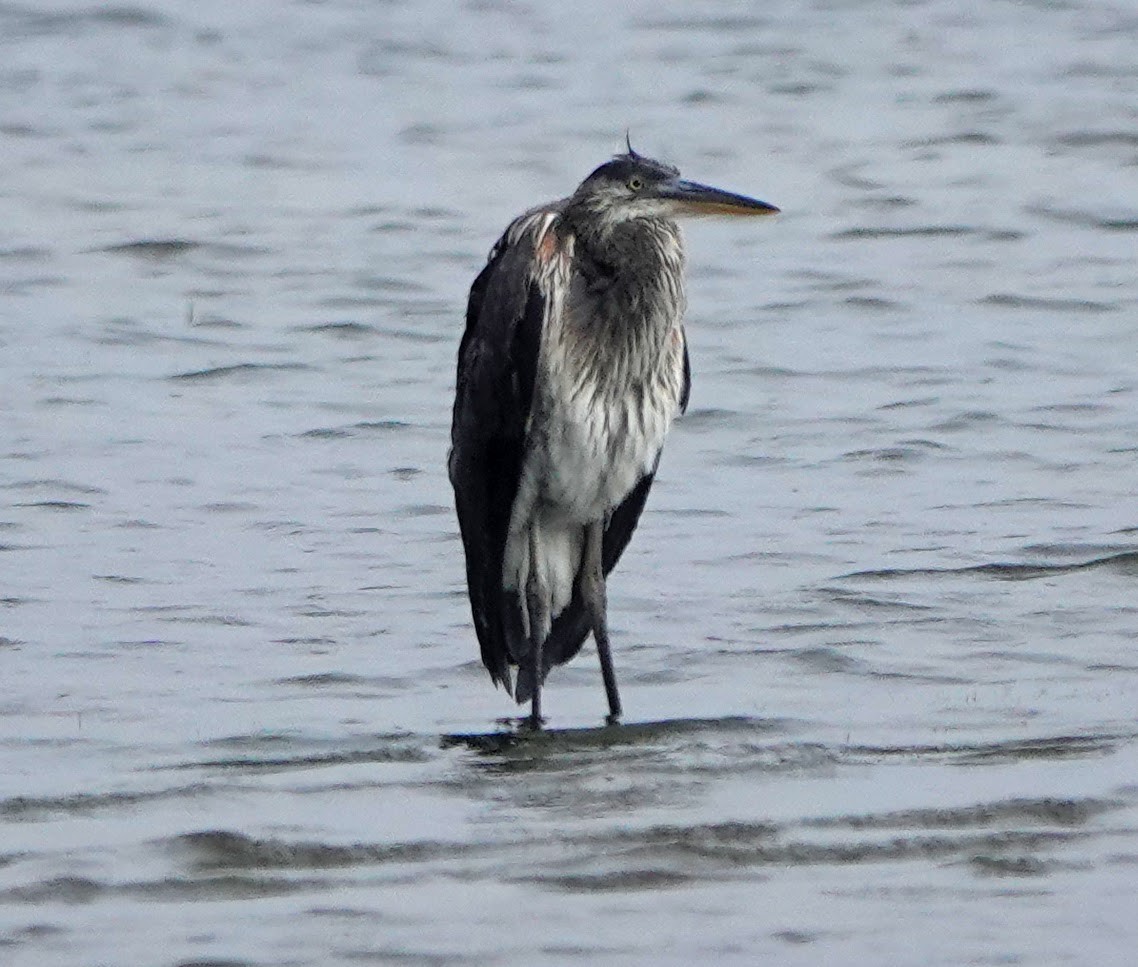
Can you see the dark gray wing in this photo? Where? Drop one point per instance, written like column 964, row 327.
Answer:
column 497, row 365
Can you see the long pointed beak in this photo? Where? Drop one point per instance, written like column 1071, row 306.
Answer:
column 692, row 198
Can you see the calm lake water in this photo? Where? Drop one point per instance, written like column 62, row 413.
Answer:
column 877, row 634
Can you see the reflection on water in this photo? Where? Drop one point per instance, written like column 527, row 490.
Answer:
column 875, row 634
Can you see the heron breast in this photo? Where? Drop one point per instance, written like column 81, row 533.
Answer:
column 602, row 438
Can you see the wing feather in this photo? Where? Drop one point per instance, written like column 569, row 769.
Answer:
column 497, row 366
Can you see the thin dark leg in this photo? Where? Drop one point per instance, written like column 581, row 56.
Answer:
column 595, row 597
column 538, row 628
column 535, row 719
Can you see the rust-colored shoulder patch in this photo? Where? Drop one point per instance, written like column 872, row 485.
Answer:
column 547, row 246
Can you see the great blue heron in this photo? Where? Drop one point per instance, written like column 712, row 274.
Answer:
column 570, row 371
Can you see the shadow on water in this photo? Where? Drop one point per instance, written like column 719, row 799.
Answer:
column 516, row 736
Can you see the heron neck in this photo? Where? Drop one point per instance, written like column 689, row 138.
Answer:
column 636, row 255
column 629, row 298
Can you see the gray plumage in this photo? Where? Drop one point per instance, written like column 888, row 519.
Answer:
column 571, row 369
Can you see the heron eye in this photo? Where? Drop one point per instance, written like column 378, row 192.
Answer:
column 635, row 184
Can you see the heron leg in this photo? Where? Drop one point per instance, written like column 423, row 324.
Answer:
column 538, row 630
column 594, row 596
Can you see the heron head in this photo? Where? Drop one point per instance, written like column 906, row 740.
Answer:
column 632, row 186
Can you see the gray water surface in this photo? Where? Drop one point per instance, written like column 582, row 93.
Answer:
column 876, row 635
